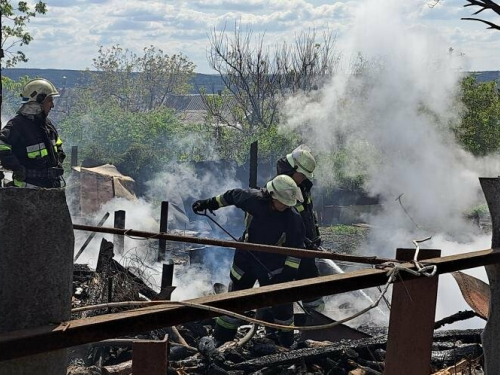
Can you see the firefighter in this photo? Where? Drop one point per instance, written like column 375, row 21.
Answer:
column 300, row 165
column 29, row 144
column 270, row 220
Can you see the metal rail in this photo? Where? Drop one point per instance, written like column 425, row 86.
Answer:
column 237, row 245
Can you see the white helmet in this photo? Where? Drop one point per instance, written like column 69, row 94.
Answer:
column 302, row 160
column 284, row 189
column 37, row 90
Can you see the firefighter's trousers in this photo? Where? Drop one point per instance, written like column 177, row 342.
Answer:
column 245, row 271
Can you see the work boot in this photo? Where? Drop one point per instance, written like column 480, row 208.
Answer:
column 285, row 338
column 222, row 335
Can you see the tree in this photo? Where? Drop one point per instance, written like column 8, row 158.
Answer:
column 258, row 78
column 13, row 32
column 484, row 5
column 13, row 26
column 140, row 83
column 479, row 130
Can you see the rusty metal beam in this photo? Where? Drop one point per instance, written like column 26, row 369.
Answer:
column 237, row 245
column 77, row 332
column 150, row 357
column 411, row 325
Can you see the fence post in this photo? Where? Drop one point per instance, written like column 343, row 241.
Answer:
column 119, row 240
column 491, row 333
column 411, row 324
column 74, row 156
column 150, row 357
column 254, row 147
column 162, row 244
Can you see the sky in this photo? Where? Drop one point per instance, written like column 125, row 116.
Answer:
column 70, row 34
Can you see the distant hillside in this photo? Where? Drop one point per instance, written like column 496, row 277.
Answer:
column 211, row 82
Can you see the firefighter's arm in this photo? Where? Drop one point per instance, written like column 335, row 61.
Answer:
column 8, row 138
column 235, row 197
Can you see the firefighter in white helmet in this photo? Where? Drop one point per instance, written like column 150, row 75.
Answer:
column 29, row 144
column 270, row 221
column 300, row 165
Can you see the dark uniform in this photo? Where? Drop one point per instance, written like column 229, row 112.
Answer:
column 308, row 268
column 32, row 143
column 264, row 225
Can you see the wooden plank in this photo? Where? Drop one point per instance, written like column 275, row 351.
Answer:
column 411, row 324
column 77, row 332
column 237, row 245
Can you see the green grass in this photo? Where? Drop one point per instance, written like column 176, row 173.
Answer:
column 345, row 229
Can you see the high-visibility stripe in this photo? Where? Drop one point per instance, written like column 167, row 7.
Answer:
column 59, row 142
column 286, row 322
column 4, row 147
column 223, row 322
column 309, row 200
column 36, row 147
column 292, row 262
column 23, row 184
column 318, row 304
column 300, row 207
column 282, row 239
column 236, row 272
column 220, row 200
column 36, row 154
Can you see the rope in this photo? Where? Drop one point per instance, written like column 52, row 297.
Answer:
column 392, row 274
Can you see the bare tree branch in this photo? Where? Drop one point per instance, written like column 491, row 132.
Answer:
column 491, row 24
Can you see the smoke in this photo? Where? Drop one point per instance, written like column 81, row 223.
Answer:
column 179, row 184
column 390, row 115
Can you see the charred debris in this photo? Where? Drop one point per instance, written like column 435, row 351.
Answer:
column 341, row 350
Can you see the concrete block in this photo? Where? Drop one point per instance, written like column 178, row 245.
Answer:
column 36, row 270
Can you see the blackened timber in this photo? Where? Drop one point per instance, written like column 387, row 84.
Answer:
column 78, row 332
column 237, row 245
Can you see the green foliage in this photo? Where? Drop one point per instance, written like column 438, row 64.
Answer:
column 479, row 130
column 139, row 83
column 342, row 229
column 477, row 211
column 11, row 100
column 14, row 22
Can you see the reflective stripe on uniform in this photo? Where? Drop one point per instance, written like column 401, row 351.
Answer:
column 23, row 184
column 220, row 200
column 317, row 304
column 4, row 147
column 236, row 272
column 227, row 322
column 58, row 142
column 292, row 262
column 282, row 239
column 37, row 150
column 300, row 207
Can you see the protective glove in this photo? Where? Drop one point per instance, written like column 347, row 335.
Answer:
column 205, row 204
column 20, row 174
column 314, row 244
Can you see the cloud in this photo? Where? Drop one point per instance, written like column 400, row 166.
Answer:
column 175, row 24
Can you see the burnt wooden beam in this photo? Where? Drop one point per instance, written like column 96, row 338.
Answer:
column 491, row 334
column 237, row 245
column 77, row 332
column 411, row 323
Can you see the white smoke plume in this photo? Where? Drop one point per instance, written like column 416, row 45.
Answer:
column 391, row 113
column 179, row 185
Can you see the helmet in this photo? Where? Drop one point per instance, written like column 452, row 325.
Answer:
column 302, row 161
column 37, row 90
column 284, row 189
